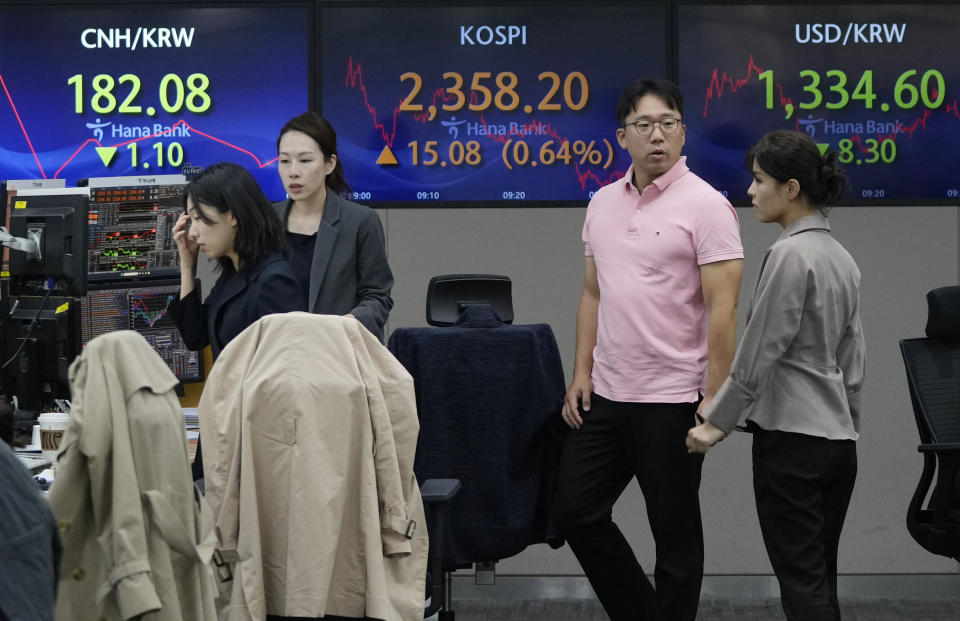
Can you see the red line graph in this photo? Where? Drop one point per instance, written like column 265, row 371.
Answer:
column 354, row 79
column 140, row 308
column 22, row 128
column 720, row 82
column 96, row 142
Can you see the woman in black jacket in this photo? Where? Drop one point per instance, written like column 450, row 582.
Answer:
column 228, row 217
column 230, row 220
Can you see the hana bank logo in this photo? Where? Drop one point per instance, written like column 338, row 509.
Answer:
column 452, row 124
column 809, row 125
column 97, row 128
column 866, row 126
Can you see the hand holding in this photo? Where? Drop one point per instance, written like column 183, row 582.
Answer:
column 701, row 438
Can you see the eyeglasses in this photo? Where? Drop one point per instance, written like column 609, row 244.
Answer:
column 644, row 127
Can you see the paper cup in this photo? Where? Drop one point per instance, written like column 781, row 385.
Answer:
column 52, row 427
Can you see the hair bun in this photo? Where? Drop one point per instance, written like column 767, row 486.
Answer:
column 832, row 178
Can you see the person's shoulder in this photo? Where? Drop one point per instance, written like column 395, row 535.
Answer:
column 347, row 206
column 791, row 251
column 280, row 206
column 611, row 191
column 705, row 193
column 705, row 204
column 270, row 265
column 356, row 214
column 609, row 195
column 358, row 218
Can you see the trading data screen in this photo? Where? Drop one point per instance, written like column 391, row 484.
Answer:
column 131, row 228
column 145, row 309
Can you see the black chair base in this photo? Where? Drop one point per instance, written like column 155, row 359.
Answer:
column 436, row 494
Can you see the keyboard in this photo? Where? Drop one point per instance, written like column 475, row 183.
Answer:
column 34, row 463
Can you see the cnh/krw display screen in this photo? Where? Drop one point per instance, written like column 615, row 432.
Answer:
column 146, row 91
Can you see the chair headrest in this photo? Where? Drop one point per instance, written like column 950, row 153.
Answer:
column 943, row 316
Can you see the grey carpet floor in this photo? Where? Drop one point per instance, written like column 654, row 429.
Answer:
column 946, row 609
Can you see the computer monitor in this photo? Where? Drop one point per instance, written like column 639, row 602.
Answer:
column 41, row 337
column 8, row 192
column 58, row 223
column 131, row 224
column 141, row 305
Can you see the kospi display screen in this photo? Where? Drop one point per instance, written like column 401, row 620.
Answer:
column 879, row 83
column 483, row 104
column 120, row 91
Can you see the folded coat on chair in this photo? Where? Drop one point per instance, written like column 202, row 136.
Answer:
column 310, row 428
column 137, row 537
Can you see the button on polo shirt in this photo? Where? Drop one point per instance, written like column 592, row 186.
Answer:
column 648, row 248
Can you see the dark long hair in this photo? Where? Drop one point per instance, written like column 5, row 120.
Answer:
column 787, row 154
column 318, row 128
column 229, row 188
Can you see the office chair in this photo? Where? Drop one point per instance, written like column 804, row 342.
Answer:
column 486, row 392
column 933, row 376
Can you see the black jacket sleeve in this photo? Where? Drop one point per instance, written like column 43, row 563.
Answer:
column 190, row 315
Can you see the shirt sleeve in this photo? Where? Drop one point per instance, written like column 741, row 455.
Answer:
column 851, row 358
column 716, row 235
column 774, row 322
column 585, row 233
column 374, row 278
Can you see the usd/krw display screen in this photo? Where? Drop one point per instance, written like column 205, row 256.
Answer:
column 144, row 91
column 879, row 83
column 483, row 104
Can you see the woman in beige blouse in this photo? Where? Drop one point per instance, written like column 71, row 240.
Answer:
column 797, row 374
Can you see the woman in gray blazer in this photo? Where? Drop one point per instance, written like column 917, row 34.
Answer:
column 797, row 374
column 339, row 253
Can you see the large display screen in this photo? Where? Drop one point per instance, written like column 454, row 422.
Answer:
column 103, row 92
column 876, row 82
column 482, row 105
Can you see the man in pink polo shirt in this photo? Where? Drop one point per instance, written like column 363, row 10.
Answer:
column 656, row 331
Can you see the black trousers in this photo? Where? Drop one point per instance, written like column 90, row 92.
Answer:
column 803, row 486
column 616, row 443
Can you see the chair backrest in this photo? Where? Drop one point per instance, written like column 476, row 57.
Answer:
column 933, row 376
column 943, row 316
column 449, row 294
column 933, row 368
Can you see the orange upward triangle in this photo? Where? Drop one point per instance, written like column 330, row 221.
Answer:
column 387, row 158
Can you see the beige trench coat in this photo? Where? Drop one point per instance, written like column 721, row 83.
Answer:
column 137, row 537
column 309, row 430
